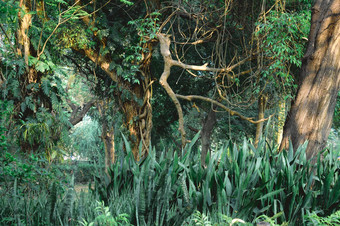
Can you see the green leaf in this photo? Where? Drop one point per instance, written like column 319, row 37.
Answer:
column 270, row 194
column 41, row 66
column 129, row 3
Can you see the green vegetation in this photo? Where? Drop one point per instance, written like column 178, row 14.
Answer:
column 171, row 112
column 244, row 183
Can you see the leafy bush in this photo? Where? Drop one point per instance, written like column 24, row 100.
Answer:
column 57, row 205
column 28, row 173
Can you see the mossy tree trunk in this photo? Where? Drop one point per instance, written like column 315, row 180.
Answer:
column 107, row 135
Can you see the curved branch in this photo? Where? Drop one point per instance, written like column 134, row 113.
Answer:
column 232, row 112
column 168, row 63
column 164, row 41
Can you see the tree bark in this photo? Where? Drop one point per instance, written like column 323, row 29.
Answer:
column 207, row 129
column 280, row 121
column 138, row 121
column 79, row 112
column 24, row 45
column 30, row 75
column 311, row 114
column 107, row 135
column 24, row 42
column 109, row 146
column 261, row 110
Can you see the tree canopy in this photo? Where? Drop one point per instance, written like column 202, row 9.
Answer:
column 151, row 71
column 176, row 112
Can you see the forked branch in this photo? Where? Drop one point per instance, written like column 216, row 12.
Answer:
column 169, row 62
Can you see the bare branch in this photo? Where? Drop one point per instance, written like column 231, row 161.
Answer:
column 232, row 112
column 169, row 62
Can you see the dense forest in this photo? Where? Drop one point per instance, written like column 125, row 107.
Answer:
column 178, row 112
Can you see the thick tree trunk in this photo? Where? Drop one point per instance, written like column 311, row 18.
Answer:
column 137, row 108
column 311, row 115
column 207, row 129
column 138, row 121
column 24, row 42
column 138, row 117
column 24, row 45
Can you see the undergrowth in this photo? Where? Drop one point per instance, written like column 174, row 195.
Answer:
column 240, row 184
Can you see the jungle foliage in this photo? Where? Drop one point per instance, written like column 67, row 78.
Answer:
column 87, row 97
column 239, row 182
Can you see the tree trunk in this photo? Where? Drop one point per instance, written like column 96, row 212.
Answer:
column 138, row 117
column 107, row 135
column 138, row 121
column 280, row 120
column 311, row 115
column 30, row 75
column 24, row 46
column 109, row 146
column 137, row 107
column 261, row 110
column 24, row 43
column 206, row 132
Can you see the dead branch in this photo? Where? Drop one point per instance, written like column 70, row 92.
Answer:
column 168, row 63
